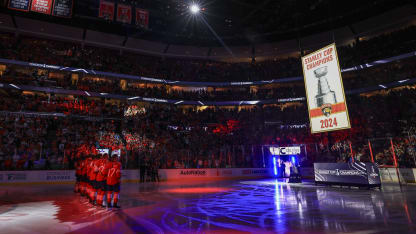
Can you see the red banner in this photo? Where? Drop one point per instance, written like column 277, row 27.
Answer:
column 41, row 6
column 124, row 13
column 142, row 18
column 106, row 10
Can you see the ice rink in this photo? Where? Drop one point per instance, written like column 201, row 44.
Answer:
column 256, row 206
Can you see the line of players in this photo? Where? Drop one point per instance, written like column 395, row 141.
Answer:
column 99, row 177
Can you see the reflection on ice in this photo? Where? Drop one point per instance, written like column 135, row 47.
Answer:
column 255, row 206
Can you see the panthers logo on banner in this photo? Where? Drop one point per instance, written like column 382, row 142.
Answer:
column 326, row 109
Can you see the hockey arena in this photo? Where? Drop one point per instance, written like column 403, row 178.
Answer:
column 206, row 116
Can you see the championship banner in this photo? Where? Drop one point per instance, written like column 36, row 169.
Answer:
column 41, row 6
column 124, row 14
column 142, row 18
column 106, row 10
column 324, row 91
column 63, row 8
column 20, row 5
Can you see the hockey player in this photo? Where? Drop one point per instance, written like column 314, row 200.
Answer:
column 88, row 188
column 84, row 179
column 93, row 171
column 103, row 167
column 113, row 182
column 78, row 169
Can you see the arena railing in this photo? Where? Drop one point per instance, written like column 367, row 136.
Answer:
column 53, row 115
column 190, row 83
column 199, row 102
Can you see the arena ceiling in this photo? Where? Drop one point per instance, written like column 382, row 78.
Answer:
column 236, row 22
column 242, row 22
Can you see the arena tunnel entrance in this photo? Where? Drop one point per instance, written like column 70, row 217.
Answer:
column 286, row 161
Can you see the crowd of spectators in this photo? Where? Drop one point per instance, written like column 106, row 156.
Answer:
column 40, row 102
column 101, row 59
column 176, row 137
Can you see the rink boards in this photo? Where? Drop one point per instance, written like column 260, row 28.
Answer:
column 58, row 177
column 68, row 176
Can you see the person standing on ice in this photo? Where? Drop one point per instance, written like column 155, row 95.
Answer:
column 78, row 169
column 104, row 167
column 113, row 182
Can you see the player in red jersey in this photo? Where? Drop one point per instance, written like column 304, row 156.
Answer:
column 84, row 175
column 87, row 170
column 78, row 168
column 103, row 167
column 108, row 165
column 113, row 182
column 92, row 174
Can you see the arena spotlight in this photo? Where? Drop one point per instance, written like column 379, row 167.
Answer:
column 194, row 8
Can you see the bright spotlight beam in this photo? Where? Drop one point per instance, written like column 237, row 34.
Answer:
column 216, row 36
column 194, row 9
